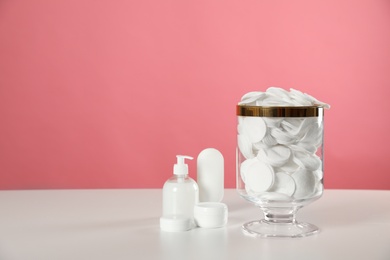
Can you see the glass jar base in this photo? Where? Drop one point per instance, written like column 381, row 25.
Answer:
column 264, row 228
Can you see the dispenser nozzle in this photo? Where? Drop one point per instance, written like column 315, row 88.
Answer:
column 181, row 168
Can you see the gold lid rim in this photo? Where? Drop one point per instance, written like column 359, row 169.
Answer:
column 275, row 111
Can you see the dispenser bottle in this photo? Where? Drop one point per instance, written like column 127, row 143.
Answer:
column 180, row 192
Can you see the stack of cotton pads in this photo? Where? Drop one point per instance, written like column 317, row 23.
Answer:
column 280, row 97
column 282, row 155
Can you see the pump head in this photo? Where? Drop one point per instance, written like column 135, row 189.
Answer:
column 181, row 168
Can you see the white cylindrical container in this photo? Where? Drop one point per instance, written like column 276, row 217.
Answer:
column 211, row 214
column 210, row 175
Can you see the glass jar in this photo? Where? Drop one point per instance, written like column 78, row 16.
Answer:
column 280, row 165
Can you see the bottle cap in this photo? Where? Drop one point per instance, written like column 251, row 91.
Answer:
column 211, row 214
column 181, row 168
column 175, row 223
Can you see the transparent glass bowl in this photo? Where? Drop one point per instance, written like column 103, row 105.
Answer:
column 279, row 166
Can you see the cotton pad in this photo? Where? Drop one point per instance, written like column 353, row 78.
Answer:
column 283, row 183
column 307, row 161
column 276, row 155
column 300, row 130
column 272, row 121
column 245, row 146
column 255, row 128
column 245, row 166
column 313, row 135
column 290, row 166
column 304, row 183
column 251, row 97
column 279, row 97
column 269, row 140
column 282, row 137
column 304, row 147
column 259, row 177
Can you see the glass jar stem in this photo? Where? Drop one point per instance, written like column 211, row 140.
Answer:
column 280, row 215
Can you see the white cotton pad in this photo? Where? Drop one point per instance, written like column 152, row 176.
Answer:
column 250, row 97
column 319, row 174
column 258, row 146
column 252, row 94
column 269, row 140
column 283, row 183
column 259, row 177
column 278, row 92
column 245, row 166
column 290, row 166
column 240, row 120
column 305, row 183
column 240, row 129
column 312, row 135
column 255, row 128
column 290, row 124
column 314, row 101
column 210, row 175
column 276, row 155
column 307, row 161
column 302, row 129
column 279, row 97
column 272, row 121
column 245, row 146
column 248, row 190
column 304, row 147
column 273, row 102
column 318, row 189
column 282, row 137
column 300, row 98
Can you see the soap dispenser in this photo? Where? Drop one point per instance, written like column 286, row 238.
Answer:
column 180, row 195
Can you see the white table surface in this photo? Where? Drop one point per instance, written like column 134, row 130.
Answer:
column 124, row 224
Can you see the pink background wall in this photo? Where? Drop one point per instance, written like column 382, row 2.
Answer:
column 104, row 94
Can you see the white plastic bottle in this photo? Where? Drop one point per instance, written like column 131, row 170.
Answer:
column 180, row 195
column 210, row 175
